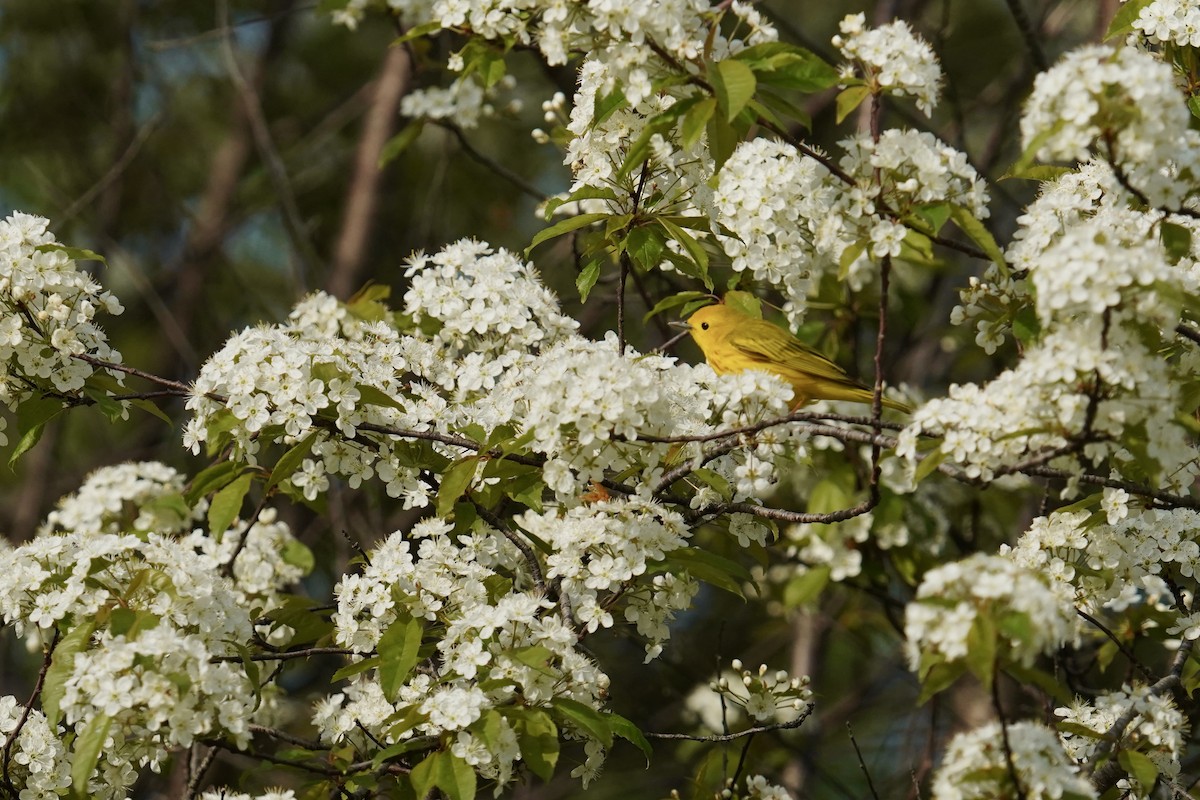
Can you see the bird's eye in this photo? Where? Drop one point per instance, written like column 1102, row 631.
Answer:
column 704, row 325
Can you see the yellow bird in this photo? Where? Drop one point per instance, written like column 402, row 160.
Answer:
column 735, row 342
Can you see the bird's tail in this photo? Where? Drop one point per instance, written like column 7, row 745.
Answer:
column 853, row 393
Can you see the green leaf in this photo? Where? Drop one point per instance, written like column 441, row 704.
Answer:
column 1037, row 172
column 586, row 280
column 630, row 733
column 1140, row 767
column 711, row 568
column 227, row 503
column 298, row 613
column 937, row 677
column 400, row 142
column 1176, row 240
column 582, row 193
column 297, row 554
column 803, row 72
column 828, row 495
column 930, row 218
column 674, row 301
column 1026, row 325
column 152, row 409
column 734, row 84
column 1080, row 730
column 128, row 623
column 605, row 105
column 785, row 108
column 1122, row 23
column 981, row 649
column 806, row 587
column 417, row 32
column 1193, row 104
column 398, row 649
column 848, row 257
column 646, row 244
column 564, row 226
column 849, row 99
column 73, row 253
column 585, row 718
column 1029, row 155
column 424, row 775
column 357, row 668
column 715, row 481
column 1049, row 684
column 210, row 479
column 455, row 481
column 398, row 749
column 537, row 737
column 723, row 139
column 695, row 121
column 62, row 666
column 979, row 234
column 745, row 303
column 693, row 247
column 32, row 416
column 291, row 460
column 929, row 464
column 105, row 403
column 88, row 746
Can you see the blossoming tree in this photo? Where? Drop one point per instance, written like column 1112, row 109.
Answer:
column 1032, row 537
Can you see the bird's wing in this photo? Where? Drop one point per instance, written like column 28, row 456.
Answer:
column 784, row 352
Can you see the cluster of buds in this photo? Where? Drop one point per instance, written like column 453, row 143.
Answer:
column 766, row 696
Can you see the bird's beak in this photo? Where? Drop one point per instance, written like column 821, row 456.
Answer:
column 680, row 324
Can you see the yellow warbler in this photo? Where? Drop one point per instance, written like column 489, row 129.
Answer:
column 735, row 342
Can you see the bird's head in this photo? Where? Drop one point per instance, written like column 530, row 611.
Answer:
column 711, row 324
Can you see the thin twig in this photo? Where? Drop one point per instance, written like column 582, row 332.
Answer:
column 287, row 655
column 729, row 737
column 47, row 657
column 1107, row 776
column 492, row 164
column 1025, row 25
column 227, row 569
column 284, row 736
column 1138, row 665
column 193, row 787
column 183, row 389
column 861, row 764
column 1008, row 754
column 306, row 254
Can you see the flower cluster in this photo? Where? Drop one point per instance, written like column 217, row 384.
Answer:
column 1123, row 561
column 1157, row 729
column 125, row 498
column 38, row 764
column 147, row 497
column 513, row 644
column 766, row 696
column 1105, row 296
column 979, row 596
column 600, row 549
column 47, row 314
column 793, row 221
column 778, row 204
column 1170, row 21
column 149, row 620
column 892, row 58
column 617, row 31
column 1123, row 103
column 464, row 102
column 985, row 762
column 486, row 350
